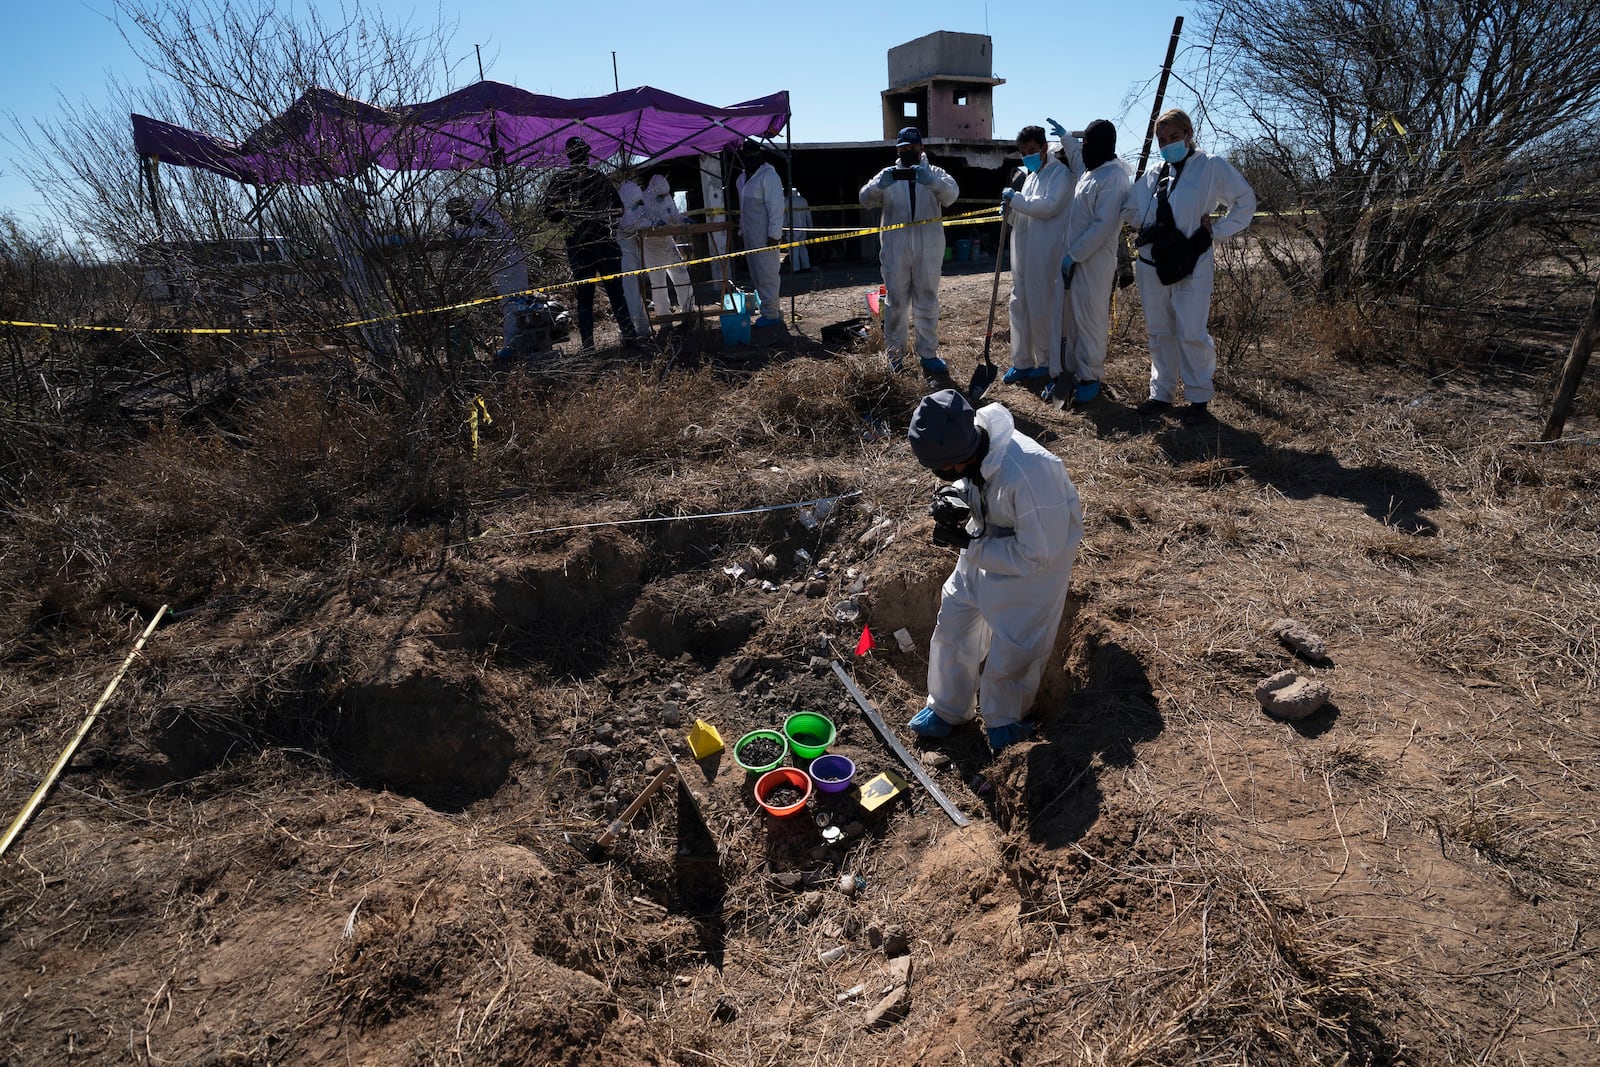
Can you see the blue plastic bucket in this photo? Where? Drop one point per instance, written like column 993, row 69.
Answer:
column 964, row 249
column 735, row 328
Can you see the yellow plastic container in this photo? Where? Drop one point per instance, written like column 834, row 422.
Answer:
column 704, row 740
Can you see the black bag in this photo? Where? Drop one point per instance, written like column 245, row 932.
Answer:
column 1173, row 255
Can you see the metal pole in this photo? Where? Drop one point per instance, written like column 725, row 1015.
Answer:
column 616, row 83
column 788, row 202
column 1161, row 93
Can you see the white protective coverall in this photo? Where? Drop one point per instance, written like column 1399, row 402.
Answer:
column 510, row 270
column 354, row 239
column 663, row 251
column 911, row 258
column 1094, row 226
column 760, row 224
column 1175, row 315
column 1038, row 240
column 800, row 217
column 1005, row 597
column 634, row 221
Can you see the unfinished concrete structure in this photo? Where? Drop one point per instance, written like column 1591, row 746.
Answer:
column 943, row 84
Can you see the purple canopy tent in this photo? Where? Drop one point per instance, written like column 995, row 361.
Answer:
column 325, row 135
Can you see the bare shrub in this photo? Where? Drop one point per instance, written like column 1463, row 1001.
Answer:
column 1421, row 133
column 1246, row 303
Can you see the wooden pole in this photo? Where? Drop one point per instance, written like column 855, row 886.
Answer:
column 28, row 809
column 663, row 776
column 1577, row 362
column 1161, row 94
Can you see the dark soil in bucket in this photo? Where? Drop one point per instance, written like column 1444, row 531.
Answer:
column 784, row 795
column 809, row 740
column 830, row 777
column 761, row 752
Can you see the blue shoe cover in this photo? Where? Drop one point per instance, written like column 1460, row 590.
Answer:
column 1035, row 373
column 1012, row 376
column 935, row 367
column 1011, row 732
column 926, row 723
column 765, row 324
column 1086, row 393
column 896, row 362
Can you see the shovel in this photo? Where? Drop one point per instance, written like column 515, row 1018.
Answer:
column 984, row 374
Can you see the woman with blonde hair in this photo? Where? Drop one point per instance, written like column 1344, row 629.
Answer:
column 1171, row 208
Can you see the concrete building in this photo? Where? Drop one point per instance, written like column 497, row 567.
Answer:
column 943, row 84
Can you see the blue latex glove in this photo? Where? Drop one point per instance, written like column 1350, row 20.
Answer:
column 1066, row 263
column 1007, row 195
column 886, row 179
column 924, row 174
column 1058, row 131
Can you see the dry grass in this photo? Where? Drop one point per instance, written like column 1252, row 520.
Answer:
column 1409, row 878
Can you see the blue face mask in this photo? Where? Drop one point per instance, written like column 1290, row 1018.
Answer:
column 1033, row 161
column 1175, row 152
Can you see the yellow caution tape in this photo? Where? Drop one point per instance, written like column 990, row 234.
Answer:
column 971, row 218
column 477, row 412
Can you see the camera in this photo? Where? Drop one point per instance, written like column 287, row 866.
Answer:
column 905, row 174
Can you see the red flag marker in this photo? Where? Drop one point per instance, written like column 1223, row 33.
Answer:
column 866, row 644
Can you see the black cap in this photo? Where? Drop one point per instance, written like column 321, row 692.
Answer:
column 908, row 135
column 944, row 430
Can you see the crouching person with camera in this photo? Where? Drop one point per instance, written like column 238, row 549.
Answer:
column 1171, row 208
column 1014, row 514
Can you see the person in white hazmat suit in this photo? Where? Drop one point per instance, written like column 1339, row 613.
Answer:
column 355, row 245
column 663, row 252
column 1015, row 515
column 800, row 219
column 1038, row 237
column 480, row 220
column 761, row 204
column 910, row 191
column 1089, row 264
column 1171, row 207
column 635, row 219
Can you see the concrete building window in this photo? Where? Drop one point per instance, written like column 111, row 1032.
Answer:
column 960, row 96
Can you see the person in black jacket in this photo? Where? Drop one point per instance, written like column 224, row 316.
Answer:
column 583, row 200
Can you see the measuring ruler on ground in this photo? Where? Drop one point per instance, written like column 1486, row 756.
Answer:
column 912, row 764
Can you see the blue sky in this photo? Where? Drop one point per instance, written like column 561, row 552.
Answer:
column 1075, row 63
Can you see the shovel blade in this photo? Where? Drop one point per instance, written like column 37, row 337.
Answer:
column 982, row 377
